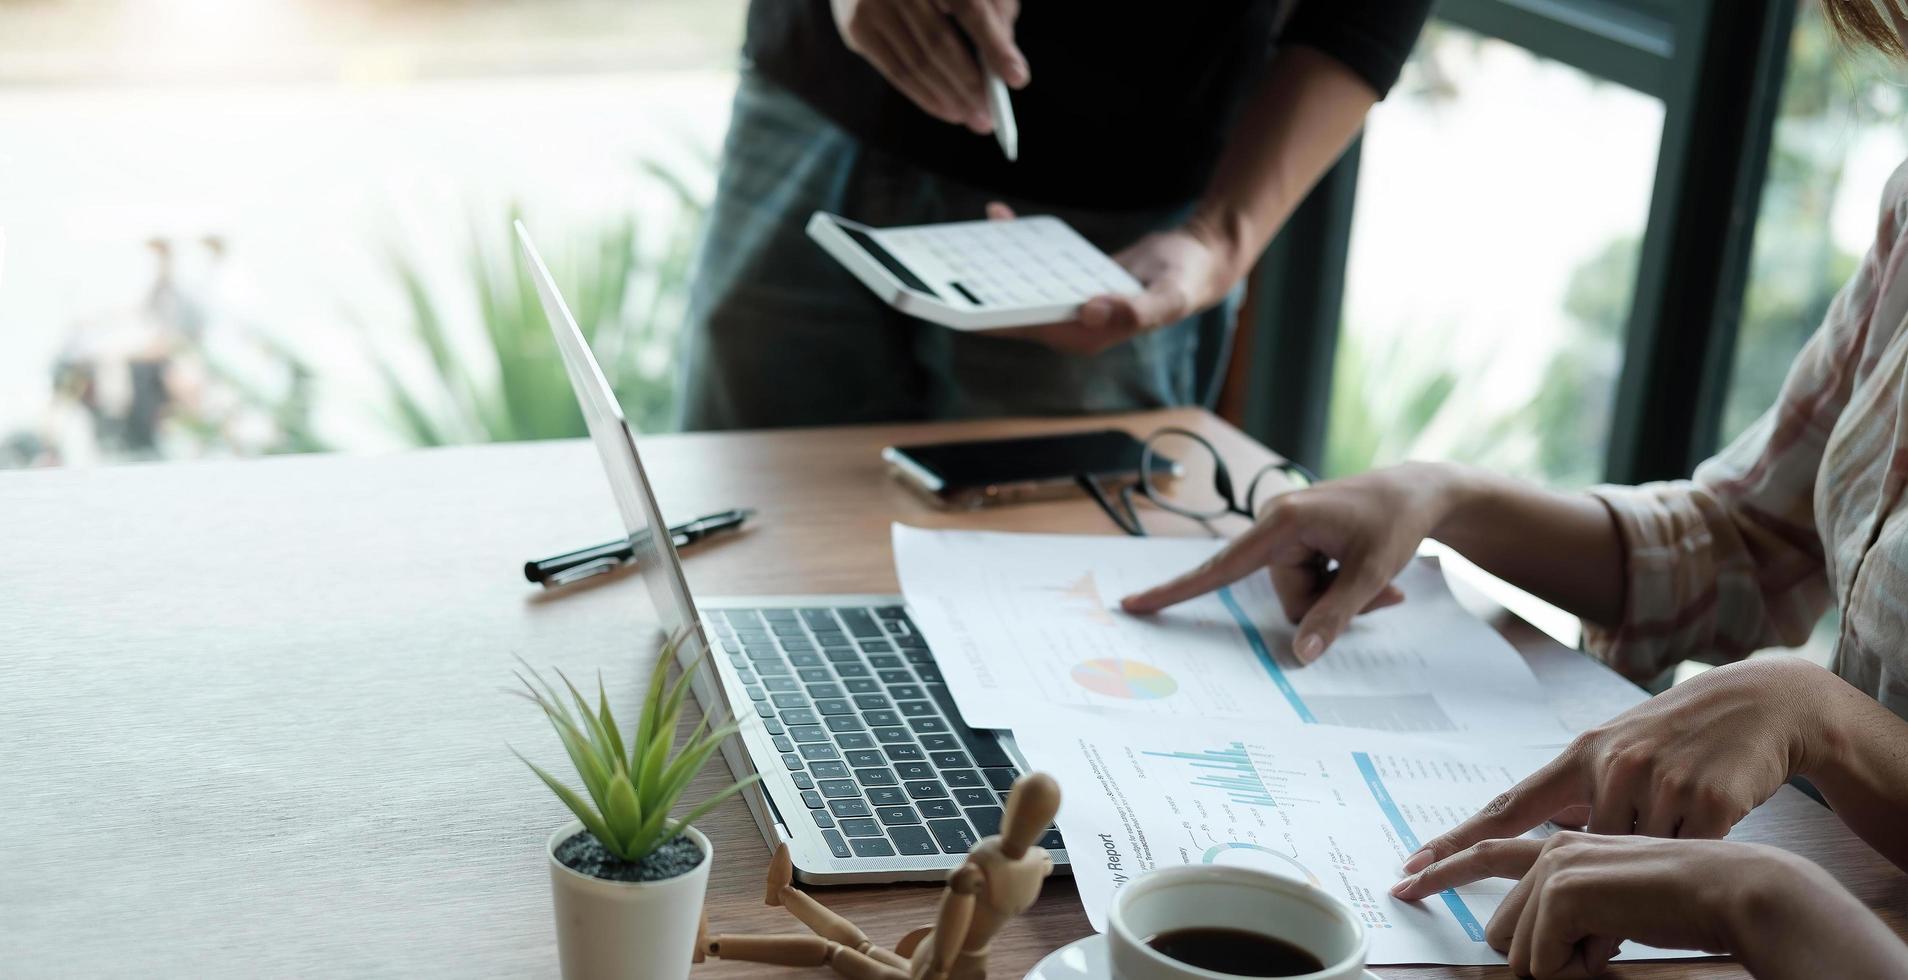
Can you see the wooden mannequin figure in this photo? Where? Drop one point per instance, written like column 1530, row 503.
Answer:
column 999, row 880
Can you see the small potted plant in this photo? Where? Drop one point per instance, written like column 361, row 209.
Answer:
column 627, row 879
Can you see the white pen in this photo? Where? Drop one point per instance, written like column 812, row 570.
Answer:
column 1001, row 109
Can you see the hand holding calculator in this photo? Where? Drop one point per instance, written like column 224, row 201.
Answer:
column 976, row 275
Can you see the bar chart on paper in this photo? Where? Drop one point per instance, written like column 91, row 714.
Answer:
column 1239, row 838
column 1162, row 792
column 1228, row 770
column 1227, row 803
column 1021, row 622
column 1335, row 808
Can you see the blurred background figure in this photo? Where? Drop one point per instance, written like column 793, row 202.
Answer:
column 331, row 185
column 160, row 379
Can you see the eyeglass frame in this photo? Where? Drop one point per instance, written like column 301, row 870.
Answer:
column 1222, row 482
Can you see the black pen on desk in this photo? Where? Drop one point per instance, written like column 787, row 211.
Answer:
column 572, row 566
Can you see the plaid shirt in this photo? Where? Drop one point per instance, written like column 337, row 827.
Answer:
column 1805, row 509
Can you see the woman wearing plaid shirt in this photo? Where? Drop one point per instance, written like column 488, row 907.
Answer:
column 1807, row 508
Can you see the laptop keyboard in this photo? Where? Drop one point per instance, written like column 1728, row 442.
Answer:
column 857, row 709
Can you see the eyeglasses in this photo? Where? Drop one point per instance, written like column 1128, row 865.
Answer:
column 1165, row 457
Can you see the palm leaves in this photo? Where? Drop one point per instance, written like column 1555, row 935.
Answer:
column 631, row 784
column 490, row 370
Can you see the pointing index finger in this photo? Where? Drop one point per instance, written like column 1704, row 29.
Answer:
column 1529, row 803
column 1233, row 562
column 1486, row 859
column 1208, row 577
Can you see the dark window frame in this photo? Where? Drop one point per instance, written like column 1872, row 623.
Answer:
column 1718, row 67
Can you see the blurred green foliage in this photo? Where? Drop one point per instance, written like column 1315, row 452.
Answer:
column 627, row 292
column 1571, row 410
column 1383, row 399
column 1831, row 95
column 1385, row 402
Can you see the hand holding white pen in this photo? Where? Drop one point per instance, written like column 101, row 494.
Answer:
column 917, row 46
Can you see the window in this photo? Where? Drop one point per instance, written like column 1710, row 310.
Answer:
column 247, row 226
column 1838, row 136
column 1501, row 198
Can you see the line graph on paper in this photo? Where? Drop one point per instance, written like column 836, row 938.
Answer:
column 1082, row 598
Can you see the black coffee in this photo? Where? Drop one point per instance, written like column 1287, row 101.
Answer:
column 1240, row 952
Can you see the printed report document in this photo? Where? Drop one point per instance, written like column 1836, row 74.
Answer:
column 1341, row 809
column 1020, row 623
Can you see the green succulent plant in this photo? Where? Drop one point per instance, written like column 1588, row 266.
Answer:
column 632, row 783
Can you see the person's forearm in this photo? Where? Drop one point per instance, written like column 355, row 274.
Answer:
column 1797, row 923
column 1295, row 126
column 1859, row 761
column 1562, row 547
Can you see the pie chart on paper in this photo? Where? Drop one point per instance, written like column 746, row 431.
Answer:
column 1130, row 680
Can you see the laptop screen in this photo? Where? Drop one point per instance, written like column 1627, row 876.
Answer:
column 655, row 552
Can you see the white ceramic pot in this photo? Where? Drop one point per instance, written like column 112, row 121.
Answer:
column 626, row 930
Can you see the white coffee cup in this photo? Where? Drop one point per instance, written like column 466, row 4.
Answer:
column 1218, row 896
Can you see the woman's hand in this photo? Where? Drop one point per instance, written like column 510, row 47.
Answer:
column 917, row 47
column 1184, row 270
column 1689, row 762
column 1370, row 525
column 1579, row 896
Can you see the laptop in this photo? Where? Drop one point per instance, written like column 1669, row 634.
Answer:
column 868, row 772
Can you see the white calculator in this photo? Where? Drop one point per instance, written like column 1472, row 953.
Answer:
column 976, row 275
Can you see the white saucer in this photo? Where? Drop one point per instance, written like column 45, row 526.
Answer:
column 1085, row 959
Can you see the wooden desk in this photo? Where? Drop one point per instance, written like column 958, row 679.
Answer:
column 252, row 719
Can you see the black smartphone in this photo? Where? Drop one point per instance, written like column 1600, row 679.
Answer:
column 986, row 472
